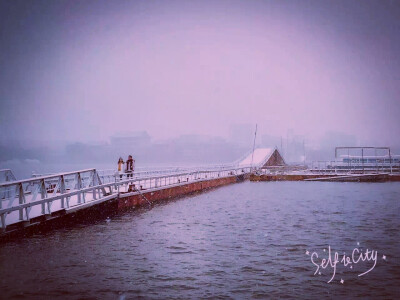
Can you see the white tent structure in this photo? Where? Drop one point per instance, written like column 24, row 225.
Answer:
column 263, row 157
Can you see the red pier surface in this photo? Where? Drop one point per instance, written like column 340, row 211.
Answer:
column 112, row 205
column 302, row 177
column 128, row 201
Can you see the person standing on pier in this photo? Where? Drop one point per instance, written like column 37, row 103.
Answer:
column 120, row 165
column 130, row 166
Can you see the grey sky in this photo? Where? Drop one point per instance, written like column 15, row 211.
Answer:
column 84, row 70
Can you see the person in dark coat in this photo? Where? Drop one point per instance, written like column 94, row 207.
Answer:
column 130, row 166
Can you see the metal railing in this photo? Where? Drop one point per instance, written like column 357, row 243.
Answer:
column 6, row 175
column 41, row 196
column 22, row 195
column 351, row 167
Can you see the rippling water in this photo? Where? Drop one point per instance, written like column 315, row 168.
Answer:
column 239, row 241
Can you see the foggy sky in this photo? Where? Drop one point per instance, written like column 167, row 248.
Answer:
column 84, row 70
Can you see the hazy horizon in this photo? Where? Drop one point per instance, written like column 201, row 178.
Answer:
column 82, row 71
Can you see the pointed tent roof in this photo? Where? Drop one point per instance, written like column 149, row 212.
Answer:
column 274, row 160
column 263, row 157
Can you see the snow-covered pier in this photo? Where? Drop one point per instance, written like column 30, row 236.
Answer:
column 46, row 200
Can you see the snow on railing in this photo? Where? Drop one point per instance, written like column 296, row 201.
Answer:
column 40, row 196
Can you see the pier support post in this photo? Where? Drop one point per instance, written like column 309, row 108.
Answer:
column 3, row 222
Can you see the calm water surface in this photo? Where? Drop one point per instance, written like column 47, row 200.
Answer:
column 247, row 240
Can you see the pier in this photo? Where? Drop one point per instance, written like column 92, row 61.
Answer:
column 346, row 168
column 338, row 177
column 49, row 201
column 45, row 202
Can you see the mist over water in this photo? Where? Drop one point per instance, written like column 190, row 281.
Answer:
column 85, row 71
column 239, row 241
column 183, row 83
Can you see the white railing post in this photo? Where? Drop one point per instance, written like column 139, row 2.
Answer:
column 94, row 183
column 43, row 195
column 79, row 186
column 21, row 197
column 62, row 189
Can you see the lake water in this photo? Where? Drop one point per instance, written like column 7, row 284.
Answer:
column 246, row 240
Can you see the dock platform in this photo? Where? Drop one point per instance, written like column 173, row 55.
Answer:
column 47, row 202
